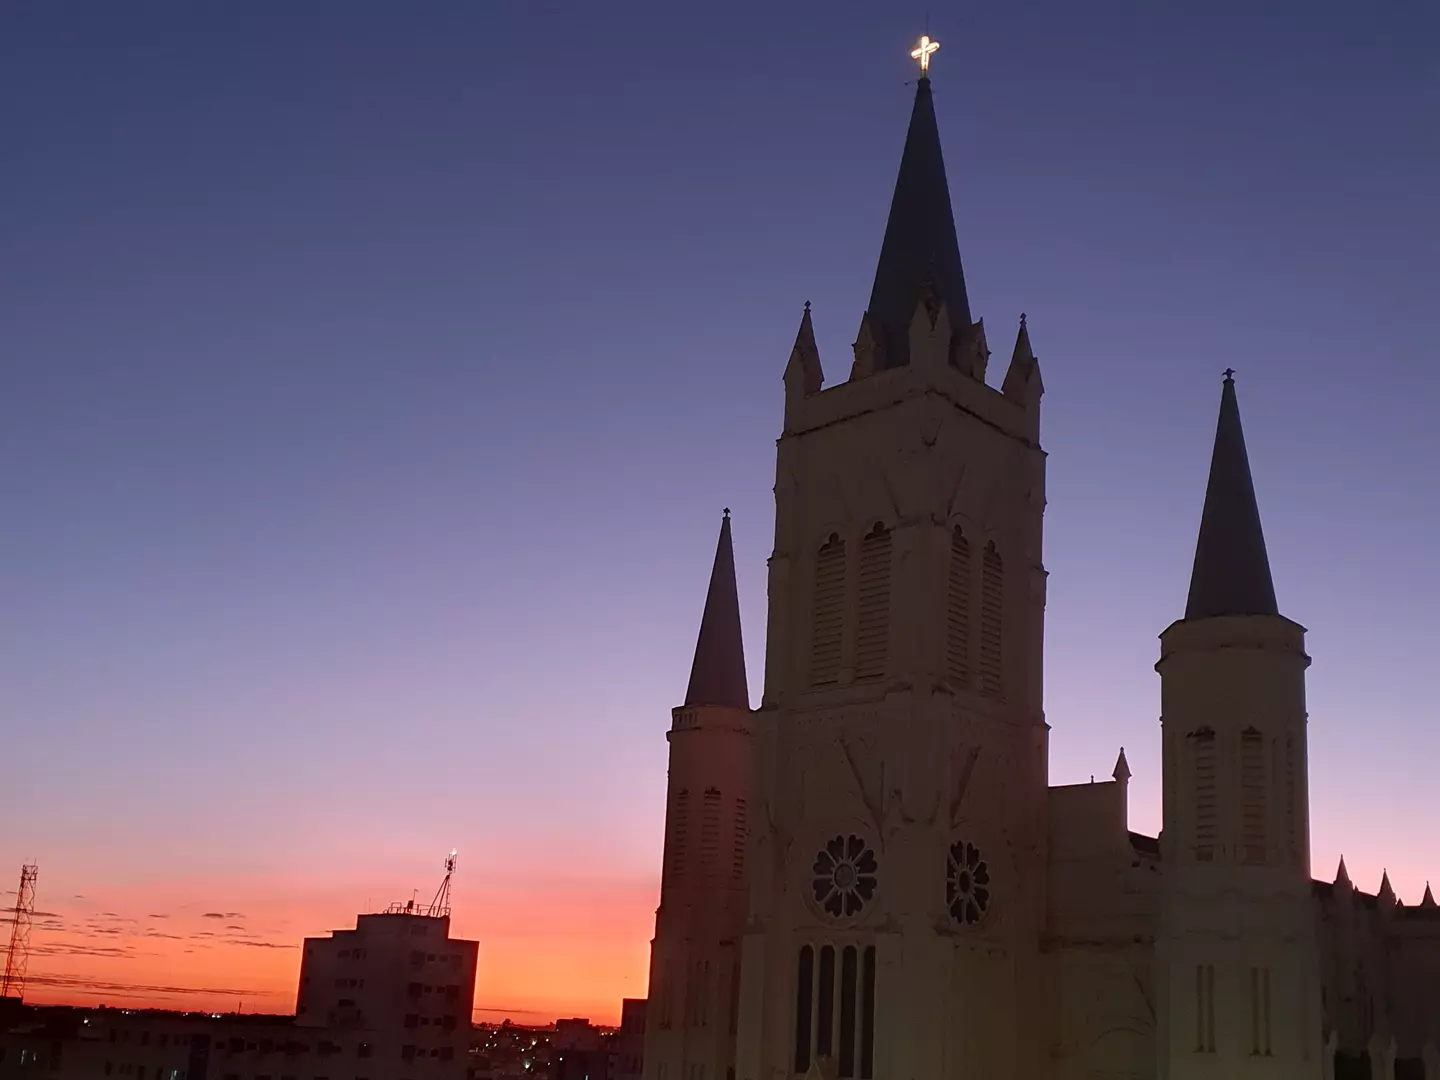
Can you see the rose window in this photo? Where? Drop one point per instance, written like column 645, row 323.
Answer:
column 844, row 879
column 967, row 883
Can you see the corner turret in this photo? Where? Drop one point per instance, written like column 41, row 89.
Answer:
column 1023, row 384
column 704, row 875
column 803, row 374
column 1236, row 835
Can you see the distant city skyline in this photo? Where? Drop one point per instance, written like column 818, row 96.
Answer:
column 377, row 382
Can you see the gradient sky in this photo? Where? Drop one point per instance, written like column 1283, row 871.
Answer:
column 374, row 376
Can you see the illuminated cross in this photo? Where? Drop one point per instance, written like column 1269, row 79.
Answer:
column 922, row 53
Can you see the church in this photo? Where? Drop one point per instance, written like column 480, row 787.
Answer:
column 869, row 876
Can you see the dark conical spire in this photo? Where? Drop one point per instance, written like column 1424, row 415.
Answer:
column 718, row 675
column 804, row 367
column 920, row 248
column 1232, row 570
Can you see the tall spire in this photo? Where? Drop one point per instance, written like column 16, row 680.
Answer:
column 919, row 248
column 717, row 676
column 1232, row 570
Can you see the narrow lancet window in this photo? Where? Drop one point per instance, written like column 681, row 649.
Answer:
column 957, row 611
column 827, row 628
column 847, row 1012
column 872, row 624
column 734, row 998
column 867, row 1015
column 825, row 1014
column 992, row 620
column 1205, row 1008
column 804, row 1007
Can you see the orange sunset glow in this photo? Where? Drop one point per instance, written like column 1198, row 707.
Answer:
column 540, row 957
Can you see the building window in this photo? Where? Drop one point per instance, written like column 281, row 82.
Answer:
column 1205, row 1008
column 1206, row 811
column 967, row 883
column 836, row 1018
column 1292, row 803
column 867, row 1014
column 664, row 995
column 1260, row 1011
column 735, row 996
column 710, row 832
column 737, row 857
column 1252, row 797
column 699, row 995
column 845, row 876
column 957, row 611
column 804, row 1007
column 992, row 619
column 679, row 829
column 872, row 629
column 828, row 613
column 847, row 1011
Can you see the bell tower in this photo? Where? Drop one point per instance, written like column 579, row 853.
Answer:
column 897, row 856
column 1237, row 961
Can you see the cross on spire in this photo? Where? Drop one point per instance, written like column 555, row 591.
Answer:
column 922, row 53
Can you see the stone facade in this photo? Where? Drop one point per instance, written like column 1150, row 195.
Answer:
column 916, row 900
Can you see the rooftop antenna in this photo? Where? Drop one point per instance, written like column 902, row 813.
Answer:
column 440, row 906
column 17, row 957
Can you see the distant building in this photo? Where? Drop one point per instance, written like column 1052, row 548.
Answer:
column 400, row 978
column 576, row 1033
column 388, row 1000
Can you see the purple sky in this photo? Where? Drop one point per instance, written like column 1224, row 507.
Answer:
column 373, row 381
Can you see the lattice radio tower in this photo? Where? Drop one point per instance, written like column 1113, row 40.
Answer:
column 441, row 904
column 17, row 957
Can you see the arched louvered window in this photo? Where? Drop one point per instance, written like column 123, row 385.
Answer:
column 1292, row 803
column 679, row 833
column 737, row 857
column 1202, row 744
column 992, row 620
column 872, row 623
column 710, row 833
column 827, row 623
column 1252, row 797
column 957, row 611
